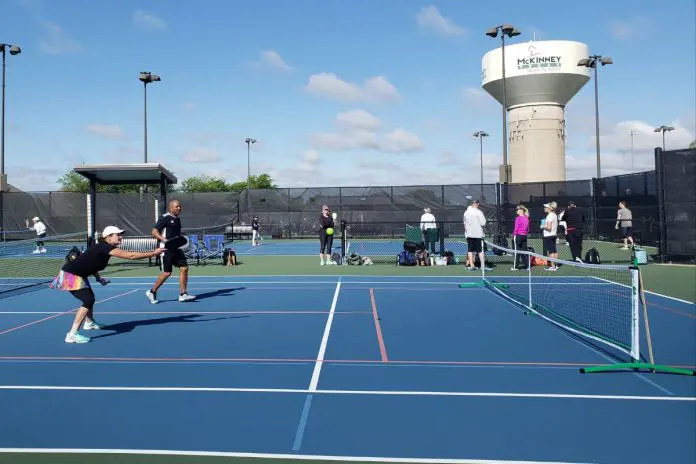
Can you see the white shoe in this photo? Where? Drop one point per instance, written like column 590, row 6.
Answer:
column 92, row 326
column 76, row 338
column 186, row 297
column 151, row 296
column 36, row 252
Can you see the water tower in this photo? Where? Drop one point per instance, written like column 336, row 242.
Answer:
column 540, row 79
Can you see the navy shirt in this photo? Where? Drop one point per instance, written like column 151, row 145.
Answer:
column 95, row 259
column 325, row 222
column 255, row 224
column 169, row 226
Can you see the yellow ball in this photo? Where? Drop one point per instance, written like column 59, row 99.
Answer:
column 329, row 231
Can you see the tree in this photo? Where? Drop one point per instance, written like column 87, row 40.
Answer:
column 205, row 183
column 74, row 182
column 692, row 144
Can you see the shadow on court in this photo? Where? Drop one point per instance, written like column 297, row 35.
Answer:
column 213, row 294
column 129, row 326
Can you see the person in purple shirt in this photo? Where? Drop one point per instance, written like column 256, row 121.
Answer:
column 519, row 236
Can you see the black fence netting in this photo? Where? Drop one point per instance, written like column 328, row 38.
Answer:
column 677, row 181
column 286, row 213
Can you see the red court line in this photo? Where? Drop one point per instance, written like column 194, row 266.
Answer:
column 380, row 338
column 300, row 360
column 28, row 324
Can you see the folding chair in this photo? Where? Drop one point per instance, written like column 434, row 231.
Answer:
column 213, row 247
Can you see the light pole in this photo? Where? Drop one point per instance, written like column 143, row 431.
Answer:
column 510, row 31
column 14, row 50
column 664, row 129
column 146, row 78
column 592, row 62
column 481, row 134
column 249, row 141
column 633, row 166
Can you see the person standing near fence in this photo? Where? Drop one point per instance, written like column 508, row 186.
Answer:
column 624, row 219
column 428, row 226
column 549, row 226
column 169, row 226
column 255, row 231
column 40, row 228
column 519, row 237
column 474, row 221
column 575, row 224
column 326, row 226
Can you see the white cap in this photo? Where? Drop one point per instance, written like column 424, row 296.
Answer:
column 547, row 205
column 111, row 230
column 35, row 218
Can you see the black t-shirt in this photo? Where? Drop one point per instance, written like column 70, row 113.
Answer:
column 95, row 259
column 169, row 226
column 574, row 218
column 325, row 222
column 255, row 224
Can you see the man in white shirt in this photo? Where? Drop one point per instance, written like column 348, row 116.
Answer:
column 428, row 226
column 40, row 229
column 474, row 220
column 549, row 226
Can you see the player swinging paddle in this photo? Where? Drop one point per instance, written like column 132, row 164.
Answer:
column 75, row 274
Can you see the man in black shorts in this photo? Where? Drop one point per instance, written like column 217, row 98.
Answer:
column 169, row 226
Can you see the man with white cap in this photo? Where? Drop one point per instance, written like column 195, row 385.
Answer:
column 75, row 274
column 40, row 229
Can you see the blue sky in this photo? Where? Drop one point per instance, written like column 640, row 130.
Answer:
column 354, row 92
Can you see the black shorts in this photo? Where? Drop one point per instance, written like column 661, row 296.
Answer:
column 474, row 245
column 550, row 245
column 86, row 296
column 626, row 232
column 173, row 259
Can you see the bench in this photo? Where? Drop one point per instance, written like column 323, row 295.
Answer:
column 140, row 244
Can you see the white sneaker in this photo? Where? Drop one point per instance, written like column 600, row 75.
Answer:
column 92, row 326
column 186, row 297
column 76, row 338
column 151, row 296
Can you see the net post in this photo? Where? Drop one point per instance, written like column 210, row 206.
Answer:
column 635, row 314
column 344, row 235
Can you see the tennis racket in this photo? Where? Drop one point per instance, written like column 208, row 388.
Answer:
column 177, row 243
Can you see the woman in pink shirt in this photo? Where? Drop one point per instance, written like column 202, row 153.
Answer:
column 519, row 236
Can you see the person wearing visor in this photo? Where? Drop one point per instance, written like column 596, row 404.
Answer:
column 74, row 278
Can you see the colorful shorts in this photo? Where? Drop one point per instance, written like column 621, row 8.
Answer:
column 69, row 282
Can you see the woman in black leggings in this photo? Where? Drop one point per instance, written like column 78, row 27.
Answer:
column 326, row 221
column 74, row 278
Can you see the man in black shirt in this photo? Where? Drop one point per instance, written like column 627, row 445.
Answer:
column 75, row 274
column 169, row 226
column 575, row 222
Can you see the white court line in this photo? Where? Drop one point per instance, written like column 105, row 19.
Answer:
column 315, row 457
column 647, row 291
column 324, row 341
column 357, row 282
column 350, row 392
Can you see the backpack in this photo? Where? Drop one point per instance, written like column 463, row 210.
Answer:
column 406, row 258
column 449, row 255
column 336, row 258
column 422, row 258
column 355, row 260
column 412, row 247
column 592, row 256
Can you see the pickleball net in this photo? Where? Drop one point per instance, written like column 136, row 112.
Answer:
column 27, row 264
column 602, row 303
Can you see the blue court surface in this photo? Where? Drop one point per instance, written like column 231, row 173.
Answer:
column 310, row 247
column 365, row 367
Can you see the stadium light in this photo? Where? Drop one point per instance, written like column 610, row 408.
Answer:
column 147, row 78
column 664, row 129
column 592, row 62
column 481, row 134
column 510, row 31
column 249, row 141
column 14, row 50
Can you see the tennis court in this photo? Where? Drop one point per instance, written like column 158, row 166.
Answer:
column 371, row 368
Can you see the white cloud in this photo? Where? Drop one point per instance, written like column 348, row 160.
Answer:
column 201, row 155
column 358, row 130
column 358, row 119
column 374, row 89
column 273, row 59
column 148, row 20
column 629, row 29
column 615, row 147
column 55, row 41
column 478, row 98
column 430, row 19
column 106, row 131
